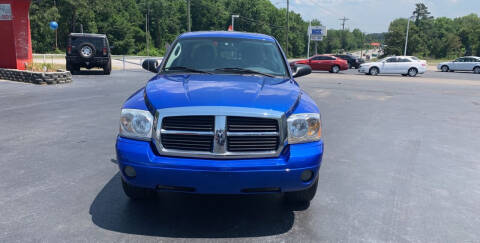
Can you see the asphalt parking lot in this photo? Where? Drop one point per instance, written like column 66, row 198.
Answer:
column 402, row 164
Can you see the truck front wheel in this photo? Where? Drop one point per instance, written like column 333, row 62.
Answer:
column 137, row 193
column 303, row 196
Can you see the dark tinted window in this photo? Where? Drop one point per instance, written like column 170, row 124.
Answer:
column 209, row 54
column 392, row 59
column 95, row 41
column 460, row 60
column 403, row 60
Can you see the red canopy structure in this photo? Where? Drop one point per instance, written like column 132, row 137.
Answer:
column 375, row 44
column 15, row 39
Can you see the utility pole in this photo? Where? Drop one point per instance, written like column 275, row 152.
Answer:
column 189, row 21
column 233, row 20
column 288, row 28
column 56, row 30
column 343, row 22
column 146, row 31
column 343, row 31
column 308, row 43
column 406, row 37
column 146, row 26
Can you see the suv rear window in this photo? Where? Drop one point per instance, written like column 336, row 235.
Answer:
column 79, row 40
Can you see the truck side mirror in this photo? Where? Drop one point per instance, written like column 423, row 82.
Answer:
column 301, row 70
column 150, row 65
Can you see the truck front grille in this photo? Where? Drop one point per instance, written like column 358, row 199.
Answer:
column 252, row 143
column 188, row 142
column 188, row 123
column 219, row 135
column 251, row 124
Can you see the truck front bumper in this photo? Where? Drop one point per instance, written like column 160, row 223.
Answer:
column 211, row 176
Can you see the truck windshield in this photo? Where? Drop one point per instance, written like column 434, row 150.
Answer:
column 226, row 55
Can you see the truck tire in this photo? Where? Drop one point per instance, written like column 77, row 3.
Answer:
column 303, row 196
column 86, row 50
column 107, row 69
column 137, row 193
column 75, row 68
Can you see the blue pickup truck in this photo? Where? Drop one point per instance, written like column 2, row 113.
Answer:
column 222, row 115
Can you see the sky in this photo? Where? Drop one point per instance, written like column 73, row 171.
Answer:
column 373, row 16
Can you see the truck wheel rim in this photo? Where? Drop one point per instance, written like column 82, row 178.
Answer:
column 86, row 51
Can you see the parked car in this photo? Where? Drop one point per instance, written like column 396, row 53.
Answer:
column 88, row 51
column 404, row 65
column 325, row 63
column 470, row 63
column 222, row 115
column 353, row 61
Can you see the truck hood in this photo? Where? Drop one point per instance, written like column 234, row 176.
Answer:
column 175, row 90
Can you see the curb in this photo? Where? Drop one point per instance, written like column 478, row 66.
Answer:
column 36, row 77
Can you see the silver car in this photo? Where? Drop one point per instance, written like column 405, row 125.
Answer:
column 470, row 63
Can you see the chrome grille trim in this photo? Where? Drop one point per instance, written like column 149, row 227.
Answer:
column 163, row 131
column 252, row 134
column 220, row 132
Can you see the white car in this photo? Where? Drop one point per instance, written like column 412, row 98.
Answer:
column 461, row 64
column 404, row 65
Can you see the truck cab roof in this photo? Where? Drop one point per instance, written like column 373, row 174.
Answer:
column 226, row 34
column 88, row 35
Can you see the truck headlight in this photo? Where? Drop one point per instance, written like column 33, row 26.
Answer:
column 303, row 128
column 136, row 124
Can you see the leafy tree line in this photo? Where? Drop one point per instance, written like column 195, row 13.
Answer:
column 434, row 37
column 124, row 23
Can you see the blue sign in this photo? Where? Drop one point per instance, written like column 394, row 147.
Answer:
column 53, row 25
column 316, row 31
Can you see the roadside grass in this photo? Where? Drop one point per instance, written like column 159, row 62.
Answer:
column 431, row 61
column 44, row 67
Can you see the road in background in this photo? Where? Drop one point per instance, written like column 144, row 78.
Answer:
column 119, row 62
column 401, row 164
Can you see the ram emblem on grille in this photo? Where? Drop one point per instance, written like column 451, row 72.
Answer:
column 220, row 137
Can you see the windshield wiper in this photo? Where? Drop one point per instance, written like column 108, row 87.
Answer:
column 186, row 69
column 243, row 70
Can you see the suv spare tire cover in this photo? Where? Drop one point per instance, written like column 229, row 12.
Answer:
column 86, row 50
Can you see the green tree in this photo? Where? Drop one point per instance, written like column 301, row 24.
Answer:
column 421, row 12
column 42, row 13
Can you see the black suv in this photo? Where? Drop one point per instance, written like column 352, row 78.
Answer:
column 352, row 60
column 88, row 51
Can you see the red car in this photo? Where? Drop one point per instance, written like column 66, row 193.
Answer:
column 325, row 63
